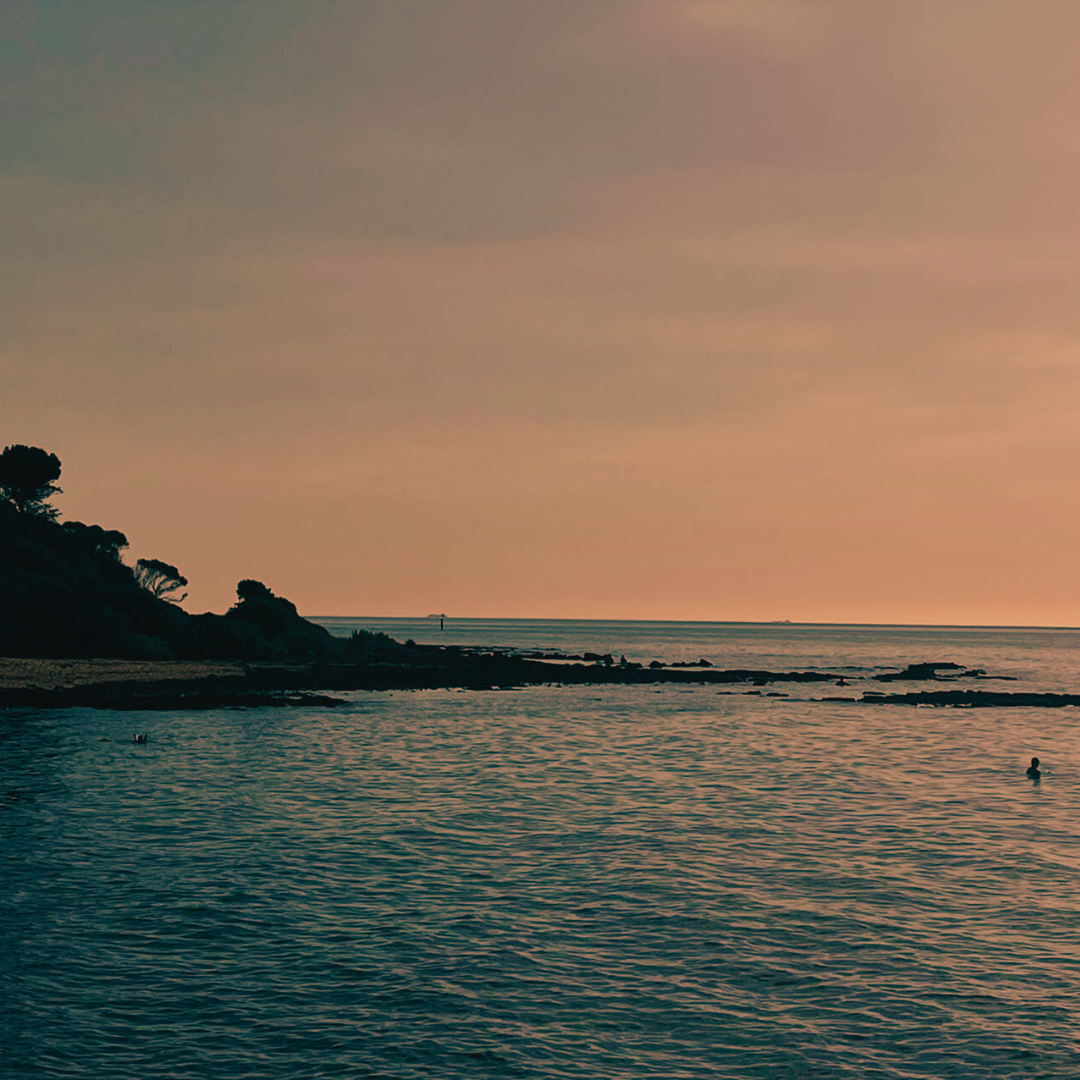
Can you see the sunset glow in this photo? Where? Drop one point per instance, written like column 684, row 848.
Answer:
column 717, row 309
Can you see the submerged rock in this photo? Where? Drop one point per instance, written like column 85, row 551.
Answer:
column 929, row 672
column 970, row 699
column 920, row 671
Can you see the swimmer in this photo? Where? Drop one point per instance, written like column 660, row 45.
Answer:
column 1033, row 769
column 139, row 738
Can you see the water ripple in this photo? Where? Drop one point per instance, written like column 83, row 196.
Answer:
column 555, row 883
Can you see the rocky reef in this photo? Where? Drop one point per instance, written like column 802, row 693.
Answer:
column 376, row 663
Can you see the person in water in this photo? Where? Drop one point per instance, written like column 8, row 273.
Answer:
column 1033, row 769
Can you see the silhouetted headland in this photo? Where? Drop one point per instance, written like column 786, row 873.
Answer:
column 66, row 592
column 71, row 611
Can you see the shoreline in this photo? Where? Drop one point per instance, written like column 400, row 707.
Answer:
column 17, row 673
column 190, row 685
column 178, row 684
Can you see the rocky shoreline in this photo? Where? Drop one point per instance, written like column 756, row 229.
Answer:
column 125, row 684
column 114, row 684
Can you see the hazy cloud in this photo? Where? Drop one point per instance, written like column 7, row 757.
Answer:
column 761, row 286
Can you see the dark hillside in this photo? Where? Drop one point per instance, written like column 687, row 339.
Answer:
column 64, row 592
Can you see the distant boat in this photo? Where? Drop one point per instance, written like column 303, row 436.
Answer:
column 779, row 622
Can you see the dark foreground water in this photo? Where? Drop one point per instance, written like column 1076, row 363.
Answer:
column 591, row 882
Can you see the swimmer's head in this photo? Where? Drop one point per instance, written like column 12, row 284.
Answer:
column 1034, row 762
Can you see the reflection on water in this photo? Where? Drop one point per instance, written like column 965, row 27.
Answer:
column 599, row 882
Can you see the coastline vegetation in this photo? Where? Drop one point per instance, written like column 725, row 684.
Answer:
column 66, row 594
column 65, row 591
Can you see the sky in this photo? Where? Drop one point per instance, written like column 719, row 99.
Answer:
column 657, row 309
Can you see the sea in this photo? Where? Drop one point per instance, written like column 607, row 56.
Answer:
column 673, row 881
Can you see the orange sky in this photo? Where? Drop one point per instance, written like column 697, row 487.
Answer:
column 689, row 309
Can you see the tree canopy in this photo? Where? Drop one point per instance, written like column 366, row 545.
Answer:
column 250, row 589
column 96, row 539
column 27, row 475
column 65, row 591
column 160, row 579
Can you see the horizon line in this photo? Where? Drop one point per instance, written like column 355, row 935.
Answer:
column 703, row 622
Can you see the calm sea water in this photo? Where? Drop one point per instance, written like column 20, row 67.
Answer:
column 597, row 882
